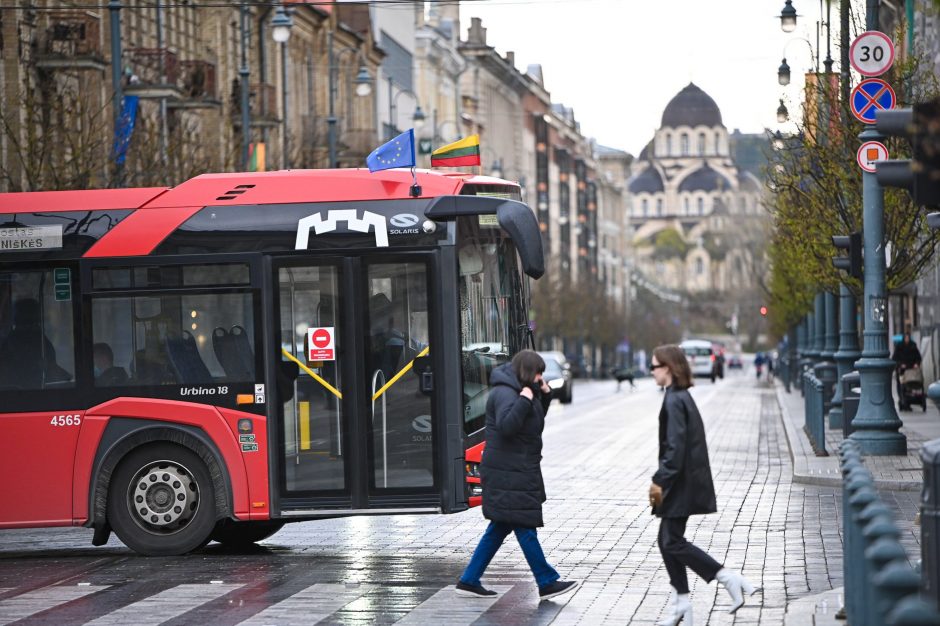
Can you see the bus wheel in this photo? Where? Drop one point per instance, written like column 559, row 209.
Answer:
column 161, row 501
column 243, row 534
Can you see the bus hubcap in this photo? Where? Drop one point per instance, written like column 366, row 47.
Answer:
column 164, row 496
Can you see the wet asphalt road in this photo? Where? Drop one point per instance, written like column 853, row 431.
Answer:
column 375, row 570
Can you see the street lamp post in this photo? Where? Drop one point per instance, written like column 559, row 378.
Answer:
column 243, row 77
column 280, row 32
column 417, row 118
column 876, row 424
column 363, row 88
column 114, row 7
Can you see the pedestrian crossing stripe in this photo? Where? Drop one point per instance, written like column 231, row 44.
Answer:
column 165, row 605
column 458, row 610
column 309, row 605
column 33, row 602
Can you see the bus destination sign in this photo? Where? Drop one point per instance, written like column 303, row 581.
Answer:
column 31, row 238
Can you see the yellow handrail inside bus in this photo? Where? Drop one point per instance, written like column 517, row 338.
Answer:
column 395, row 378
column 313, row 374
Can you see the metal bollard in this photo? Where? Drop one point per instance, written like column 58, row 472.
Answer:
column 930, row 523
column 877, row 523
column 856, row 483
column 856, row 577
column 912, row 611
column 851, row 385
column 894, row 582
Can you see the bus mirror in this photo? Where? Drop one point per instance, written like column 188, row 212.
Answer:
column 422, row 369
column 519, row 221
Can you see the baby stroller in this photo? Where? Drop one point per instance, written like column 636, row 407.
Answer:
column 911, row 388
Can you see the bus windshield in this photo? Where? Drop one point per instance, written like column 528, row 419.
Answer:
column 492, row 319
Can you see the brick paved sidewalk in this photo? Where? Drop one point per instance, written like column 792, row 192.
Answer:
column 898, row 480
column 904, row 473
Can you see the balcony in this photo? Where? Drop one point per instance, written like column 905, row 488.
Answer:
column 262, row 105
column 70, row 40
column 152, row 73
column 199, row 89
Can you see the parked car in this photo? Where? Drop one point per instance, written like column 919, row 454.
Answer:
column 559, row 379
column 558, row 356
column 701, row 357
column 735, row 362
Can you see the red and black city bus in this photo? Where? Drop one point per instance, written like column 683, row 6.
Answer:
column 213, row 360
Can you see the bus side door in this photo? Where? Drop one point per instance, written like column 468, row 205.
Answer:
column 39, row 392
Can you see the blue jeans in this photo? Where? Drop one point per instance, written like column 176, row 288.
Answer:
column 489, row 544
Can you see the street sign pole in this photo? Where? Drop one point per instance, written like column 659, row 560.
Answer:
column 876, row 424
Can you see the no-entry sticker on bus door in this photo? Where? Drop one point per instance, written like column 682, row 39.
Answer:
column 320, row 344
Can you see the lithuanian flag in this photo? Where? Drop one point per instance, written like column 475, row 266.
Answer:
column 465, row 151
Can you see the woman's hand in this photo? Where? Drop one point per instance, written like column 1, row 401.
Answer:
column 543, row 386
column 656, row 495
column 527, row 393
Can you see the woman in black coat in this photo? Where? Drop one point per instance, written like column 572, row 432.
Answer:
column 511, row 474
column 682, row 486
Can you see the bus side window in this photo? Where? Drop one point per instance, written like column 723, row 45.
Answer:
column 36, row 333
column 174, row 338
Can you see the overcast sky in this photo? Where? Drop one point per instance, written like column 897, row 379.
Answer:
column 619, row 62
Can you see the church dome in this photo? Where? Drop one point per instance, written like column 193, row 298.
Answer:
column 705, row 179
column 691, row 107
column 647, row 181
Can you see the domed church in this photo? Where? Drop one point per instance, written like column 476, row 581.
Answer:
column 686, row 181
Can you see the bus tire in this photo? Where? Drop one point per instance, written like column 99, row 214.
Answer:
column 233, row 534
column 161, row 501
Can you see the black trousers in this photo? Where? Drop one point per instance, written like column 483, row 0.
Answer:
column 679, row 554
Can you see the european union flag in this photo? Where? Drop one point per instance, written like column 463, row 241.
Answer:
column 399, row 152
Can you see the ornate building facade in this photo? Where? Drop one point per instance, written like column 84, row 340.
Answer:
column 697, row 220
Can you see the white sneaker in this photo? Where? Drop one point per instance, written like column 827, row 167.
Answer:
column 736, row 586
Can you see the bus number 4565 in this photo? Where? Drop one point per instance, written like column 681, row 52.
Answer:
column 66, row 420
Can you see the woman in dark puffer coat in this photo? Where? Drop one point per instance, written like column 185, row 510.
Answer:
column 511, row 474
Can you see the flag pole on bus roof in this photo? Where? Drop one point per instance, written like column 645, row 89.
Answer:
column 415, row 188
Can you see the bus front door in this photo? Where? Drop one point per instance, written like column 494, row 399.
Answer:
column 354, row 417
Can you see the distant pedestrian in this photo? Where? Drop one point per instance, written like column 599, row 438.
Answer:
column 759, row 363
column 682, row 486
column 770, row 366
column 511, row 474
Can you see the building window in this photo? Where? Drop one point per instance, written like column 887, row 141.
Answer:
column 700, row 205
column 668, row 144
column 699, row 267
column 684, row 144
column 645, row 205
column 659, row 207
column 685, row 206
column 701, row 143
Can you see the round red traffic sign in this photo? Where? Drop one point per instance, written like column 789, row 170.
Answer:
column 872, row 53
column 321, row 338
column 869, row 153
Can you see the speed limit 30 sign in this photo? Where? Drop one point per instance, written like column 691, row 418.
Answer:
column 872, row 53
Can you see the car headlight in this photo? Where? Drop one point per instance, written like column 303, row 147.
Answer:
column 556, row 383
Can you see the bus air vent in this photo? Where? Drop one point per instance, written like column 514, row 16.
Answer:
column 234, row 193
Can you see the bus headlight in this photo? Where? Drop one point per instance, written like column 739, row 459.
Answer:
column 476, row 490
column 473, row 469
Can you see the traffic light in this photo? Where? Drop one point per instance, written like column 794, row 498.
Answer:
column 763, row 311
column 852, row 263
column 920, row 125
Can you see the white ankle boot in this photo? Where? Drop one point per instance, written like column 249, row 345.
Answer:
column 680, row 610
column 736, row 586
